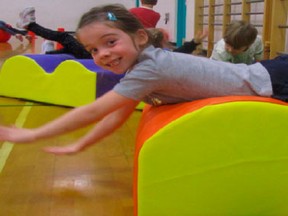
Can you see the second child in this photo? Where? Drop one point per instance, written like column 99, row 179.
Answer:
column 240, row 44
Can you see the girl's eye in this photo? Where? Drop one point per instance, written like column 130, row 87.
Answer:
column 111, row 42
column 93, row 51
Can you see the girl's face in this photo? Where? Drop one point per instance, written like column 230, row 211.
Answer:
column 111, row 48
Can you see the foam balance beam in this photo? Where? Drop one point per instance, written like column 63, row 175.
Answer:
column 218, row 156
column 55, row 79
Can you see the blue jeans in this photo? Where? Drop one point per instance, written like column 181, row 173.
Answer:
column 278, row 70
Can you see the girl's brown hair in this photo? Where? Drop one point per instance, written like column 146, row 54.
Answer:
column 116, row 15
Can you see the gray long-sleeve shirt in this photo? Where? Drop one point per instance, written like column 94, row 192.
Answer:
column 164, row 77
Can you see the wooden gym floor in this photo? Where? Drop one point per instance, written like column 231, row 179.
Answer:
column 97, row 181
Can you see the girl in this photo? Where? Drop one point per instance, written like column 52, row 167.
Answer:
column 118, row 42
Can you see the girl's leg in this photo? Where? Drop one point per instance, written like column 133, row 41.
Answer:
column 17, row 31
column 7, row 28
column 282, row 57
column 47, row 33
column 278, row 70
column 68, row 41
column 58, row 51
column 2, row 24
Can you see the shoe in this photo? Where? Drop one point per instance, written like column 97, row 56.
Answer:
column 47, row 46
column 26, row 16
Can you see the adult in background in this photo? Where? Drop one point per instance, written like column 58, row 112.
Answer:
column 146, row 14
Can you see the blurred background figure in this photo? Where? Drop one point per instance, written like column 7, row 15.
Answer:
column 240, row 44
column 145, row 13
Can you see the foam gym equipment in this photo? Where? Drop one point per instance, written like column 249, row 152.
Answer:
column 218, row 156
column 58, row 79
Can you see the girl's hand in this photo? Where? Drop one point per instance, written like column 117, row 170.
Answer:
column 18, row 135
column 62, row 150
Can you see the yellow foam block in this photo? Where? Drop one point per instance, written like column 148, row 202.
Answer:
column 209, row 159
column 71, row 84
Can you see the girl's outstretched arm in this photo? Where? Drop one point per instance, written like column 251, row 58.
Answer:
column 75, row 119
column 105, row 127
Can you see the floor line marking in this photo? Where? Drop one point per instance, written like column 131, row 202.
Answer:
column 8, row 146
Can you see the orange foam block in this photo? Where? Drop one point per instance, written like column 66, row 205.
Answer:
column 217, row 156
